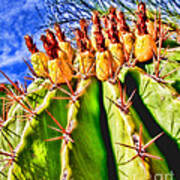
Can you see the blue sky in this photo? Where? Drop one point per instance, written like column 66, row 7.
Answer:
column 17, row 18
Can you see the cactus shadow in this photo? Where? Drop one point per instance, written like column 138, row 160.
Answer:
column 112, row 172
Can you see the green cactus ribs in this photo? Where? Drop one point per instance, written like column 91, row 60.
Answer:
column 154, row 126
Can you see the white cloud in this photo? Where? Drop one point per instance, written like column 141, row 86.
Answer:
column 17, row 57
column 15, row 22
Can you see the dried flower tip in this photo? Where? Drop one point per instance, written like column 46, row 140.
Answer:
column 30, row 45
column 51, row 38
column 60, row 35
column 142, row 7
column 95, row 18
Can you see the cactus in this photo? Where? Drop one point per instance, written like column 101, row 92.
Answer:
column 76, row 121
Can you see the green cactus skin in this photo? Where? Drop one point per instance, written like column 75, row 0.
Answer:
column 174, row 55
column 11, row 133
column 86, row 158
column 168, row 66
column 122, row 127
column 37, row 159
column 162, row 102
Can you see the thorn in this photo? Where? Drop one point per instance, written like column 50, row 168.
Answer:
column 140, row 149
column 54, row 139
column 30, row 68
column 57, row 123
column 13, row 84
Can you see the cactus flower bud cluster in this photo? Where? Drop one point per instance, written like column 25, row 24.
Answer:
column 100, row 52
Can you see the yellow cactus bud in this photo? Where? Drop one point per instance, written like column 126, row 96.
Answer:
column 120, row 36
column 107, row 41
column 128, row 40
column 93, row 39
column 103, row 65
column 150, row 28
column 64, row 56
column 39, row 61
column 59, row 71
column 86, row 60
column 67, row 48
column 116, row 50
column 145, row 47
column 89, row 44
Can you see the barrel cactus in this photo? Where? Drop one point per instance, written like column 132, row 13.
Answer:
column 80, row 119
